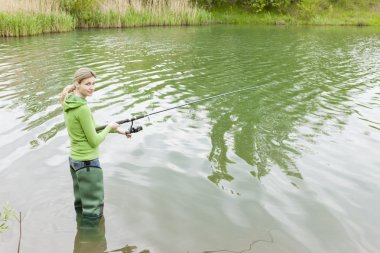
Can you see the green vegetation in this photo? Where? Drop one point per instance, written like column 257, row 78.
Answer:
column 133, row 18
column 30, row 17
column 333, row 16
column 238, row 16
column 300, row 12
column 22, row 24
column 5, row 215
column 132, row 13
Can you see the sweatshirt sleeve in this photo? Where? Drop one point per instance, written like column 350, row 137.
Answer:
column 87, row 123
column 97, row 125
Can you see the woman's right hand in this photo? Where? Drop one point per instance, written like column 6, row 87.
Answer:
column 113, row 125
column 123, row 132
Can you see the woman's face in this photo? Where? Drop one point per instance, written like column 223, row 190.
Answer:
column 86, row 87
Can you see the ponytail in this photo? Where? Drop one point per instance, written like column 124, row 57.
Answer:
column 69, row 89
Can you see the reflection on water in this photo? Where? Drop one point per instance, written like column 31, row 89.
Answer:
column 93, row 240
column 299, row 91
column 128, row 249
column 312, row 116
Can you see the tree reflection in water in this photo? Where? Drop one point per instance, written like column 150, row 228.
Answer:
column 264, row 127
column 256, row 130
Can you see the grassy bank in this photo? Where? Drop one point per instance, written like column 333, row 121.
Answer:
column 24, row 24
column 144, row 17
column 122, row 13
column 133, row 18
column 30, row 17
column 306, row 12
column 338, row 18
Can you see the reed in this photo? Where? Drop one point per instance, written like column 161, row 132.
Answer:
column 143, row 5
column 32, row 17
column 24, row 24
column 122, row 13
column 34, row 6
column 131, row 18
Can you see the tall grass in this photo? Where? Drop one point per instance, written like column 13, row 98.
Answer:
column 132, row 13
column 35, row 6
column 24, row 24
column 133, row 18
column 31, row 17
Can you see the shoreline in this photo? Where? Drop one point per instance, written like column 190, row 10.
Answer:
column 21, row 24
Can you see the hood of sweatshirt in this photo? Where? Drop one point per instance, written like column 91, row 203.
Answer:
column 72, row 102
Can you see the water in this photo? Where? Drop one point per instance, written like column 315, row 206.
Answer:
column 290, row 166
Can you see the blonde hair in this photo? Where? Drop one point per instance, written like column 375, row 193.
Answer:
column 79, row 75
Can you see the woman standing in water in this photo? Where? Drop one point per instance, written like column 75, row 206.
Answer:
column 85, row 168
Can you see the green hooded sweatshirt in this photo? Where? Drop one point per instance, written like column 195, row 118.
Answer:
column 84, row 140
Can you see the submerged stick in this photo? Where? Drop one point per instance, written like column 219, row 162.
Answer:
column 19, row 239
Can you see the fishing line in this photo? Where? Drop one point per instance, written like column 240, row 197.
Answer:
column 174, row 107
column 271, row 240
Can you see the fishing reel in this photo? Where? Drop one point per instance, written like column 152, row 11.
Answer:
column 133, row 129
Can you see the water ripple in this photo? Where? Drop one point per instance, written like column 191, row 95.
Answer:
column 298, row 152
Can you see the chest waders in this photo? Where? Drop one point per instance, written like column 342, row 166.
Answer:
column 88, row 191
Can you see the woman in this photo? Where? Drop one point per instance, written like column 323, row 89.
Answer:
column 85, row 168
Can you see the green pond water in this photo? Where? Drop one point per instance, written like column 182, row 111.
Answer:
column 291, row 165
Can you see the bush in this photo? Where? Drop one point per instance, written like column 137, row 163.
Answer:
column 80, row 7
column 253, row 5
column 275, row 5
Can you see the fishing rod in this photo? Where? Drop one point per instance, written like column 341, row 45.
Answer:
column 139, row 128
